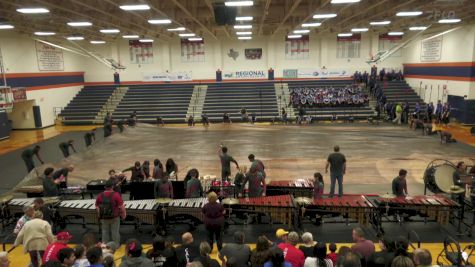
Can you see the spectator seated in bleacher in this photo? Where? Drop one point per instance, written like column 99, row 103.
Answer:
column 329, row 97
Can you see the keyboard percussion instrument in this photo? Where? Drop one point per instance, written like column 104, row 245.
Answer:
column 189, row 206
column 145, row 210
column 83, row 208
column 298, row 188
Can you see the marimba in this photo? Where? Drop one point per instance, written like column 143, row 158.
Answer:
column 144, row 210
column 297, row 188
column 438, row 207
column 15, row 206
column 84, row 208
column 356, row 207
column 189, row 206
column 279, row 208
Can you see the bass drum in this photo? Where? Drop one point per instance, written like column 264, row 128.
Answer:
column 439, row 178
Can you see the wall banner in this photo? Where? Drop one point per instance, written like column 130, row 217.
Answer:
column 431, row 50
column 290, row 73
column 297, row 48
column 248, row 74
column 140, row 53
column 253, row 53
column 322, row 73
column 166, row 76
column 49, row 57
column 192, row 51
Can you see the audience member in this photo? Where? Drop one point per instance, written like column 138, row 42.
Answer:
column 402, row 247
column 363, row 247
column 292, row 254
column 349, row 259
column 261, row 253
column 133, row 255
column 51, row 252
column 94, row 256
column 402, row 261
column 161, row 254
column 29, row 212
column 66, row 257
column 187, row 251
column 308, row 244
column 4, row 261
column 277, row 259
column 423, row 258
column 319, row 257
column 80, row 254
column 282, row 235
column 237, row 250
column 204, row 258
column 89, row 240
column 332, row 255
column 384, row 257
column 213, row 220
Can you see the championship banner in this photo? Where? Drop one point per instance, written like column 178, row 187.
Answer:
column 322, row 73
column 253, row 53
column 166, row 76
column 140, row 53
column 49, row 57
column 297, row 48
column 388, row 42
column 348, row 47
column 249, row 74
column 19, row 94
column 192, row 51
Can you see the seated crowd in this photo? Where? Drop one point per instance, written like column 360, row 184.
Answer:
column 328, row 97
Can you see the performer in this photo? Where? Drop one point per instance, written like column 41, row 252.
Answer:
column 157, row 169
column 64, row 146
column 204, row 119
column 284, row 115
column 160, row 121
column 194, row 188
column 318, row 185
column 214, row 220
column 170, row 167
column 90, row 137
column 446, row 114
column 146, row 168
column 27, row 156
column 110, row 207
column 239, row 180
column 50, row 185
column 137, row 173
column 256, row 177
column 132, row 120
column 191, row 121
column 244, row 116
column 108, row 125
column 120, row 125
column 62, row 176
column 163, row 188
column 460, row 171
column 226, row 118
column 117, row 179
column 337, row 163
column 399, row 185
column 226, row 162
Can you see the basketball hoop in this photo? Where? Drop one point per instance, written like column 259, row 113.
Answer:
column 6, row 98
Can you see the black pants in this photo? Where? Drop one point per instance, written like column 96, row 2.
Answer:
column 30, row 164
column 88, row 141
column 107, row 130
column 65, row 151
column 215, row 232
column 121, row 127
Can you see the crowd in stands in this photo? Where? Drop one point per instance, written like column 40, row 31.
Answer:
column 365, row 77
column 329, row 97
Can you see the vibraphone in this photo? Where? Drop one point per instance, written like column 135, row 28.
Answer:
column 437, row 208
column 145, row 210
column 15, row 206
column 297, row 188
column 83, row 208
column 279, row 208
column 189, row 206
column 356, row 207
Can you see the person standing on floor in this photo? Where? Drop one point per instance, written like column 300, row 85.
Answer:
column 108, row 125
column 337, row 163
column 214, row 220
column 64, row 147
column 27, row 156
column 226, row 162
column 110, row 207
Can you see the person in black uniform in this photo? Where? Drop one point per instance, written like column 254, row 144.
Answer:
column 120, row 125
column 108, row 125
column 171, row 166
column 226, row 118
column 50, row 185
column 64, row 146
column 160, row 121
column 460, row 171
column 62, row 176
column 226, row 162
column 89, row 137
column 138, row 174
column 27, row 156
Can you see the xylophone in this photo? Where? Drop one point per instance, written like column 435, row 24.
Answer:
column 298, row 188
column 143, row 210
column 189, row 206
column 356, row 207
column 279, row 208
column 438, row 207
column 83, row 208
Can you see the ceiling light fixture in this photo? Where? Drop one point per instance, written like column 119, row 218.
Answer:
column 395, row 33
column 134, row 7
column 243, row 33
column 418, row 28
column 377, row 23
column 38, row 10
column 179, row 29
column 244, row 37
column 344, row 1
column 44, row 33
column 294, row 36
column 6, row 27
column 146, row 40
column 159, row 21
column 80, row 24
column 312, row 24
column 449, row 20
column 408, row 13
column 75, row 38
column 186, row 34
column 324, row 16
column 242, row 26
column 239, row 3
column 195, row 39
column 301, row 31
column 130, row 36
column 97, row 42
column 349, row 34
column 359, row 29
column 246, row 18
column 110, row 31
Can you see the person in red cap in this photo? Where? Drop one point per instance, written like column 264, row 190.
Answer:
column 51, row 252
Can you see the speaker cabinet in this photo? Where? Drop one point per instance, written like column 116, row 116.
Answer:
column 37, row 116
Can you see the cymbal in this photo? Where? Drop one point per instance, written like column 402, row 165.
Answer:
column 303, row 200
column 230, row 201
column 163, row 200
column 387, row 195
column 455, row 189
